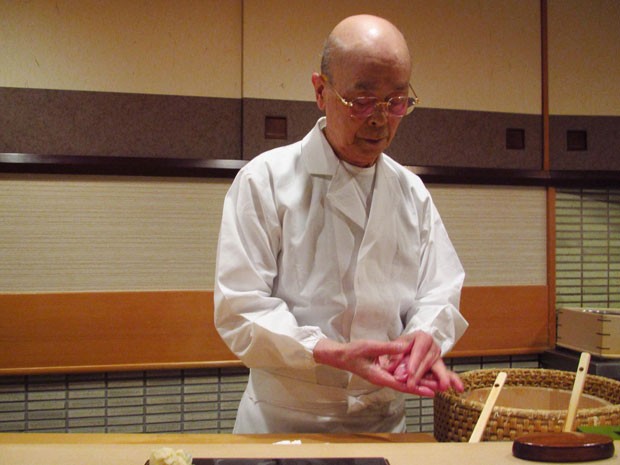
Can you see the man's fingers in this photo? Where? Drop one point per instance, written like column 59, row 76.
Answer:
column 381, row 377
column 423, row 391
column 376, row 349
column 424, row 354
column 442, row 375
column 455, row 382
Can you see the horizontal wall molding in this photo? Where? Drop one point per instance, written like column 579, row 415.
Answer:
column 206, row 168
column 115, row 124
column 139, row 330
column 468, row 138
column 169, row 135
column 119, row 166
column 583, row 142
column 69, row 122
column 428, row 137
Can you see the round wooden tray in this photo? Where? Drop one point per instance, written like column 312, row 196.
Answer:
column 563, row 447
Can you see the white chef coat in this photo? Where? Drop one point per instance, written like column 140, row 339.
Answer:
column 300, row 258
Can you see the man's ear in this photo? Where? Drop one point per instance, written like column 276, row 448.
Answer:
column 319, row 87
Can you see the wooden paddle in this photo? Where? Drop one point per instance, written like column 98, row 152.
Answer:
column 483, row 419
column 567, row 446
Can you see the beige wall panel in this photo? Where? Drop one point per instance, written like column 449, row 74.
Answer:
column 584, row 63
column 81, row 233
column 185, row 47
column 475, row 55
column 499, row 232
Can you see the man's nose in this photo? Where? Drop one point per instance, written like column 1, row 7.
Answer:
column 380, row 114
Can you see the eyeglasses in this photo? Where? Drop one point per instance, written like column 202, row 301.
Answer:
column 363, row 107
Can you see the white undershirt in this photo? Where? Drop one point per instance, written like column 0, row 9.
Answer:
column 364, row 183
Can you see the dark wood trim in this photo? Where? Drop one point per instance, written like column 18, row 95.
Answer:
column 497, row 176
column 122, row 166
column 551, row 262
column 204, row 168
column 544, row 72
column 578, row 179
column 493, row 176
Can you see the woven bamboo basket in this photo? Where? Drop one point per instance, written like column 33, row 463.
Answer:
column 455, row 415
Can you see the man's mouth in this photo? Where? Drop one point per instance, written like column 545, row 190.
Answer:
column 373, row 140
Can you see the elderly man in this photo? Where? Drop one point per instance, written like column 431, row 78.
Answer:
column 336, row 282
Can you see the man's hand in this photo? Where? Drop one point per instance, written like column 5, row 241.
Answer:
column 410, row 364
column 421, row 368
column 361, row 358
column 437, row 379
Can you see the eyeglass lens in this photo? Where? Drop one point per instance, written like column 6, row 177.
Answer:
column 365, row 106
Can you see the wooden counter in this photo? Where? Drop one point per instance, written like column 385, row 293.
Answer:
column 134, row 449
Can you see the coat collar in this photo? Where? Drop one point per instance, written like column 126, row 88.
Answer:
column 320, row 160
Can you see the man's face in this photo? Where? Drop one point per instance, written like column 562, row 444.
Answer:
column 360, row 141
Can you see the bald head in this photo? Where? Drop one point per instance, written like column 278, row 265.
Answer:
column 365, row 57
column 364, row 37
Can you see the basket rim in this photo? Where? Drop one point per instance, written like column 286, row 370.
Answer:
column 478, row 406
column 568, row 374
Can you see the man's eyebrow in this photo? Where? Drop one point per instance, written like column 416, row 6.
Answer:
column 373, row 85
column 365, row 85
column 369, row 86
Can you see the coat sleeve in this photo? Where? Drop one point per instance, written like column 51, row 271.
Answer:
column 256, row 326
column 441, row 276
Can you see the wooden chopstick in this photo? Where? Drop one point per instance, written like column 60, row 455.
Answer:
column 580, row 379
column 481, row 424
